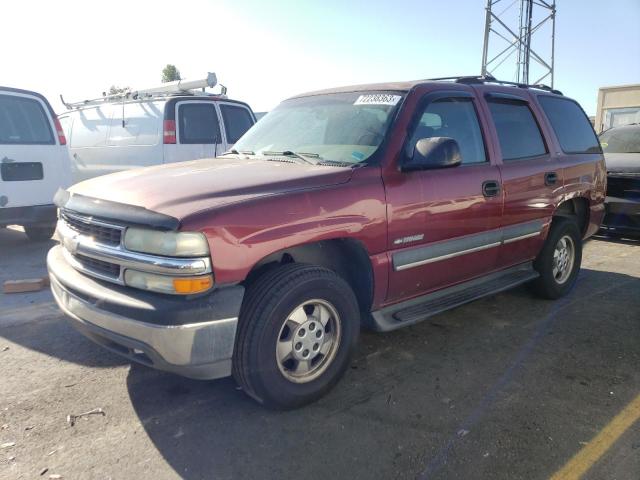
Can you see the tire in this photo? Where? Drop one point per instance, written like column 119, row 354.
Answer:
column 554, row 281
column 40, row 233
column 266, row 324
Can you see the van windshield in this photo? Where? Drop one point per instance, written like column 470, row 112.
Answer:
column 338, row 127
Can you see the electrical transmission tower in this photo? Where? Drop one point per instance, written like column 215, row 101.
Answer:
column 508, row 31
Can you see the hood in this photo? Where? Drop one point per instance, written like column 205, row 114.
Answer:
column 181, row 189
column 623, row 162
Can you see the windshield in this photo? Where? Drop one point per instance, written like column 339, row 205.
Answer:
column 339, row 127
column 621, row 140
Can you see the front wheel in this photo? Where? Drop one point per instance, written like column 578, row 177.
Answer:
column 297, row 331
column 560, row 259
column 40, row 233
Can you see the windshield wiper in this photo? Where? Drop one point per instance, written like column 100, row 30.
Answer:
column 233, row 151
column 338, row 163
column 289, row 153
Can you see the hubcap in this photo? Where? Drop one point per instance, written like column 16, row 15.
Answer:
column 563, row 259
column 308, row 341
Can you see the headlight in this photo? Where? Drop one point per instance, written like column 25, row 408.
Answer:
column 167, row 284
column 169, row 244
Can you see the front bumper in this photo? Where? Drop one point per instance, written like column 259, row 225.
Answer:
column 193, row 337
column 36, row 215
column 622, row 215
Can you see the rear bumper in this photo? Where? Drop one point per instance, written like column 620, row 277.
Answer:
column 191, row 337
column 622, row 215
column 36, row 215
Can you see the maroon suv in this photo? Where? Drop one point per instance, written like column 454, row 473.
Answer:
column 374, row 205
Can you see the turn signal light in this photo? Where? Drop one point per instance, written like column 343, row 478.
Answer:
column 187, row 286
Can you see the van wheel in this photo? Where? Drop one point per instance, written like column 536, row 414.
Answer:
column 298, row 328
column 560, row 259
column 40, row 234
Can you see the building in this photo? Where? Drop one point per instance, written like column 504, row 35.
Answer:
column 618, row 105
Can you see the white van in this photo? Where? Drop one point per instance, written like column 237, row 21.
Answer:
column 144, row 128
column 34, row 162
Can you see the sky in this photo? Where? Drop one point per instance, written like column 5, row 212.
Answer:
column 265, row 51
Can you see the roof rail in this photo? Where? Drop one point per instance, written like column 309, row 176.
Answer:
column 480, row 79
column 178, row 87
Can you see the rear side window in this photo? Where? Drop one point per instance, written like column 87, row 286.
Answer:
column 518, row 132
column 237, row 120
column 198, row 123
column 570, row 125
column 23, row 121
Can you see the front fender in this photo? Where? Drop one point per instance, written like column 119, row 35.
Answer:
column 242, row 234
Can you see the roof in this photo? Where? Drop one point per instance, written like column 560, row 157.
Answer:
column 629, row 86
column 389, row 86
column 99, row 102
column 408, row 85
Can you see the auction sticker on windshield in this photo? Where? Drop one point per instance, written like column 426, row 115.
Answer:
column 377, row 99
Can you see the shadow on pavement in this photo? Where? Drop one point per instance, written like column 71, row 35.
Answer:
column 55, row 337
column 509, row 372
column 32, row 319
column 617, row 239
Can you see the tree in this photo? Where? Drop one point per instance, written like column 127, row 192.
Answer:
column 170, row 74
column 113, row 89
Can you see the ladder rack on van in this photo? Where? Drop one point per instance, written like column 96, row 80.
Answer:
column 178, row 87
column 479, row 79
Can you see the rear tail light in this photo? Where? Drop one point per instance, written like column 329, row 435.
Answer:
column 61, row 138
column 169, row 131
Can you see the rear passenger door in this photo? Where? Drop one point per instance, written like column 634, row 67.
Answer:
column 198, row 133
column 531, row 178
column 236, row 120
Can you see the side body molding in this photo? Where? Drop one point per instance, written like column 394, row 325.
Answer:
column 414, row 257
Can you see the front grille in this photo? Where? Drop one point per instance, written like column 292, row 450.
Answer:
column 99, row 233
column 98, row 266
column 624, row 187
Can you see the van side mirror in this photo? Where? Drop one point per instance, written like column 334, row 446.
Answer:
column 434, row 152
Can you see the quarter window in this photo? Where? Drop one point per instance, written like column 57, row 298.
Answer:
column 23, row 121
column 454, row 118
column 198, row 123
column 518, row 132
column 237, row 120
column 570, row 125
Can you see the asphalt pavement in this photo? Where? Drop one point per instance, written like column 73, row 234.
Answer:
column 508, row 387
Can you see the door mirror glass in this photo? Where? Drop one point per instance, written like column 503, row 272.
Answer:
column 434, row 152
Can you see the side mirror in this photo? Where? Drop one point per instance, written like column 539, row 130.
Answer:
column 434, row 152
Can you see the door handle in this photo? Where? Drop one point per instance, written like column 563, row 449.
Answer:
column 490, row 188
column 550, row 178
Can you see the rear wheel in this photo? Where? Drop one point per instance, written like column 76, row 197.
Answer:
column 40, row 233
column 298, row 328
column 560, row 259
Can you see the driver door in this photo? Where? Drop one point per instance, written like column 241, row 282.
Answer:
column 444, row 224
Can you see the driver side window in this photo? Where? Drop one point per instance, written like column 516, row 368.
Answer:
column 454, row 118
